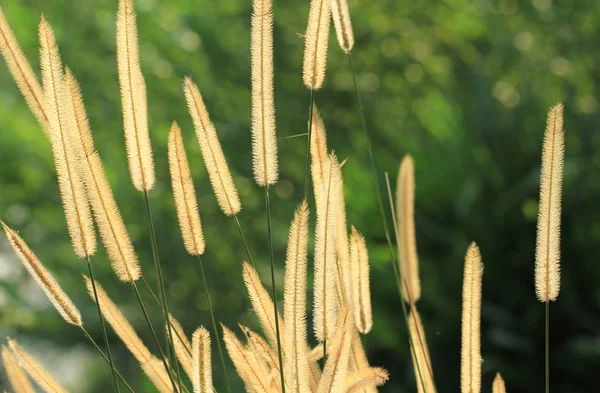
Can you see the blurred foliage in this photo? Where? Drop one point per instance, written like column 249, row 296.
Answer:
column 462, row 85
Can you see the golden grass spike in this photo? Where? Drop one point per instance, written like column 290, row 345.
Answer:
column 154, row 369
column 470, row 368
column 35, row 370
column 70, row 182
column 366, row 378
column 342, row 246
column 547, row 252
column 405, row 209
column 202, row 371
column 246, row 365
column 333, row 379
column 16, row 376
column 319, row 158
column 106, row 212
column 263, row 306
column 214, row 159
column 183, row 347
column 43, row 278
column 294, row 302
column 361, row 291
column 498, row 384
column 343, row 25
column 185, row 196
column 420, row 355
column 20, row 69
column 261, row 349
column 315, row 43
column 133, row 99
column 325, row 300
column 264, row 140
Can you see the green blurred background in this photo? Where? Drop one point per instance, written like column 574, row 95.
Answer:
column 462, row 85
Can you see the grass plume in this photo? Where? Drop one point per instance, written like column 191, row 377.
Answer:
column 366, row 378
column 70, row 182
column 214, row 159
column 498, row 384
column 343, row 25
column 361, row 291
column 183, row 347
column 318, row 153
column 133, row 99
column 470, row 366
column 547, row 253
column 184, row 193
column 43, row 278
column 35, row 370
column 333, row 379
column 264, row 140
column 407, row 250
column 16, row 376
column 420, row 355
column 23, row 74
column 202, row 371
column 315, row 44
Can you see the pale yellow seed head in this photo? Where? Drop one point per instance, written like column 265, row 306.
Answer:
column 214, row 159
column 133, row 99
column 43, row 278
column 184, row 194
column 335, row 371
column 547, row 252
column 182, row 346
column 420, row 355
column 315, row 44
column 343, row 25
column 366, row 379
column 470, row 368
column 319, row 157
column 361, row 291
column 498, row 384
column 202, row 370
column 264, row 140
column 16, row 376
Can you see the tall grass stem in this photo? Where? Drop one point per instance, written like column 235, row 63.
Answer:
column 239, row 226
column 547, row 346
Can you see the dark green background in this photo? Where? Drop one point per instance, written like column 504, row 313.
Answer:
column 462, row 85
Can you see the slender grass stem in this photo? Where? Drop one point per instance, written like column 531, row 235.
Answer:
column 293, row 136
column 547, row 346
column 401, row 279
column 268, row 213
column 151, row 291
column 104, row 334
column 214, row 323
column 154, row 336
column 309, row 135
column 85, row 332
column 239, row 226
column 161, row 285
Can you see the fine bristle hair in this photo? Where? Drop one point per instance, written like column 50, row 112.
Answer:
column 336, row 367
column 261, row 349
column 325, row 282
column 133, row 99
column 319, row 157
column 182, row 346
column 366, row 378
column 254, row 376
column 35, row 370
column 470, row 367
column 184, row 194
column 106, row 211
column 44, row 279
column 16, row 376
column 361, row 291
column 152, row 366
column 342, row 245
column 22, row 73
column 294, row 302
column 498, row 384
column 264, row 140
column 262, row 305
column 420, row 355
column 315, row 43
column 214, row 159
column 343, row 26
column 405, row 210
column 547, row 252
column 202, row 370
column 70, row 182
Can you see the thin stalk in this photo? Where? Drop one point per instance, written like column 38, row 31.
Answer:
column 150, row 291
column 85, row 332
column 237, row 223
column 547, row 346
column 162, row 354
column 401, row 279
column 310, row 115
column 214, row 323
column 293, row 136
column 268, row 213
column 106, row 343
column 161, row 285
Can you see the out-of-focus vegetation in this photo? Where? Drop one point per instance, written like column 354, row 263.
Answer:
column 462, row 85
